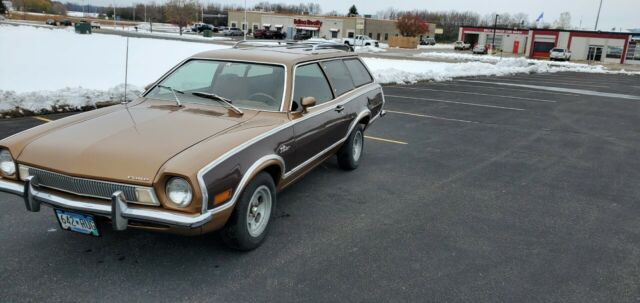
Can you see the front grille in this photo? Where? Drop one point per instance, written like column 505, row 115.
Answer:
column 80, row 186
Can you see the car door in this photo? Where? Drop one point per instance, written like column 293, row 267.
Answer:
column 321, row 126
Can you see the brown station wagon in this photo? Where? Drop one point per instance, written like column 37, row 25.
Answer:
column 206, row 147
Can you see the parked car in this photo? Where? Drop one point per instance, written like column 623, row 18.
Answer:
column 480, row 49
column 559, row 54
column 66, row 22
column 233, row 31
column 197, row 153
column 261, row 34
column 200, row 27
column 276, row 34
column 222, row 28
column 361, row 40
column 302, row 35
column 428, row 41
column 51, row 22
column 95, row 24
column 461, row 45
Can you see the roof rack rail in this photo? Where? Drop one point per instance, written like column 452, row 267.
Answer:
column 315, row 46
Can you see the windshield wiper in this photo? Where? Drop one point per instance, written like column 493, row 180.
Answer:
column 219, row 98
column 174, row 91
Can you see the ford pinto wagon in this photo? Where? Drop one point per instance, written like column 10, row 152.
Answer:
column 205, row 148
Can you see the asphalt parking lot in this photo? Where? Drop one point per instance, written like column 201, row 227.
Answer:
column 493, row 189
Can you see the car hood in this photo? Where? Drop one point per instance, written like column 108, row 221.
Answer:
column 130, row 144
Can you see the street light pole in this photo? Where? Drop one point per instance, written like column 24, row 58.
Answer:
column 598, row 17
column 246, row 26
column 493, row 42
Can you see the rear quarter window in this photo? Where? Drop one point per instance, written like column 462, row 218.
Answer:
column 358, row 72
column 339, row 76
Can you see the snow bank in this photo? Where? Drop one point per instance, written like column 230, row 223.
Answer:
column 369, row 49
column 437, row 46
column 41, row 67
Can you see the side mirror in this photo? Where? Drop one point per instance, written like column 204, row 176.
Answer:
column 148, row 86
column 307, row 102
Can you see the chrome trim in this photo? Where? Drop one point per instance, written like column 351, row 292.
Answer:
column 135, row 188
column 285, row 86
column 115, row 211
column 243, row 182
column 11, row 187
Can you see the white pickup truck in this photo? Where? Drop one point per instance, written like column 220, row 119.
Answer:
column 361, row 40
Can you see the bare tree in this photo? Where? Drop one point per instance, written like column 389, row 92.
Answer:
column 181, row 12
column 564, row 22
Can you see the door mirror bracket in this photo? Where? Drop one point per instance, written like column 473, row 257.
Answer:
column 307, row 102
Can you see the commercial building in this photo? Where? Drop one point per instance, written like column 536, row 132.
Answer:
column 328, row 27
column 595, row 46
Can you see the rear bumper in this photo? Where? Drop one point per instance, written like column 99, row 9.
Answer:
column 118, row 210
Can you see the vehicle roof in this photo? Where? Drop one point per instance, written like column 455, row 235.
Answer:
column 288, row 56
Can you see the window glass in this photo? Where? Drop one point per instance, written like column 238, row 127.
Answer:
column 247, row 85
column 614, row 52
column 358, row 72
column 339, row 76
column 310, row 82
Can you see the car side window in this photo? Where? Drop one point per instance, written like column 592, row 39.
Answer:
column 339, row 76
column 310, row 82
column 358, row 72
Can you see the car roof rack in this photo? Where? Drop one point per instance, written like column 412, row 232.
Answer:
column 314, row 46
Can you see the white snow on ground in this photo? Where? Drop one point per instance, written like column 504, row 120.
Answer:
column 368, row 49
column 437, row 46
column 162, row 30
column 41, row 67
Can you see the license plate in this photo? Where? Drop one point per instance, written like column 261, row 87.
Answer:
column 81, row 223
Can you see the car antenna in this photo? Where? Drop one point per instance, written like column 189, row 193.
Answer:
column 126, row 72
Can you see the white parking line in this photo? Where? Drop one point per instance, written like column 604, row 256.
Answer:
column 551, row 82
column 564, row 89
column 386, row 140
column 477, row 94
column 502, row 88
column 428, row 116
column 456, row 102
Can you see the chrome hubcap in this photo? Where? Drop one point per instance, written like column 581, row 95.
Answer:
column 357, row 146
column 259, row 211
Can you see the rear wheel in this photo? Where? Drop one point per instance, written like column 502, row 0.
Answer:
column 249, row 223
column 350, row 153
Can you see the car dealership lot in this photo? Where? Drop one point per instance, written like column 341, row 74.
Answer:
column 504, row 191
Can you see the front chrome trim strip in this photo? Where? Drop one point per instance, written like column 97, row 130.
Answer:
column 11, row 187
column 34, row 198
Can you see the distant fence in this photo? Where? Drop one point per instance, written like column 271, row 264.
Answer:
column 403, row 42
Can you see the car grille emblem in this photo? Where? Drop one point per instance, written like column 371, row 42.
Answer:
column 136, row 178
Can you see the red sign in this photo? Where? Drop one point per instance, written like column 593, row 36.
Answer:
column 309, row 23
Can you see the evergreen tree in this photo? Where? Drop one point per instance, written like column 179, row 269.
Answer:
column 3, row 9
column 353, row 11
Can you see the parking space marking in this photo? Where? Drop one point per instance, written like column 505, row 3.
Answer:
column 428, row 116
column 503, row 88
column 564, row 89
column 42, row 119
column 386, row 140
column 553, row 82
column 456, row 102
column 477, row 94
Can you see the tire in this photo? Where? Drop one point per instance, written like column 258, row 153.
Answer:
column 258, row 197
column 350, row 153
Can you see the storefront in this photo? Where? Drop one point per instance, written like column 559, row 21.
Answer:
column 592, row 46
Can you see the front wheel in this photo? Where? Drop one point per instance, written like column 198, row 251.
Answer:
column 249, row 223
column 350, row 153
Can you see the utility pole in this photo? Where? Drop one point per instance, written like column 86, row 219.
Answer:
column 133, row 5
column 115, row 23
column 145, row 12
column 495, row 25
column 246, row 26
column 598, row 17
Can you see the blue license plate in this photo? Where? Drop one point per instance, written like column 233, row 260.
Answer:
column 81, row 223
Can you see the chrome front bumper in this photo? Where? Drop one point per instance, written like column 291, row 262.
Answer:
column 118, row 211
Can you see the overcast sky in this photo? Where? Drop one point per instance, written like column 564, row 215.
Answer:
column 615, row 13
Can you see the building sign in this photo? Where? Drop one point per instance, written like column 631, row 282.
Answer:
column 498, row 31
column 359, row 23
column 439, row 31
column 307, row 23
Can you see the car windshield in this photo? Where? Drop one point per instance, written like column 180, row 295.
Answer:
column 559, row 50
column 246, row 85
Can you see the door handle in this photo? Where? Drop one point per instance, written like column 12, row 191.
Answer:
column 339, row 108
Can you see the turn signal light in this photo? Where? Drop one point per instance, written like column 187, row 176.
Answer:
column 222, row 197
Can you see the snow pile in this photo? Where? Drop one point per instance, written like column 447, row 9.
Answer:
column 368, row 49
column 41, row 67
column 410, row 71
column 437, row 46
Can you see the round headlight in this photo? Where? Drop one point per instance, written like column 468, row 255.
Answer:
column 179, row 192
column 7, row 166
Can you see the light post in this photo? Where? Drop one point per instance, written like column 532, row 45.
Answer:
column 598, row 16
column 493, row 42
column 245, row 25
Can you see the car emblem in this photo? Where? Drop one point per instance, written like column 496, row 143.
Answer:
column 136, row 178
column 283, row 148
